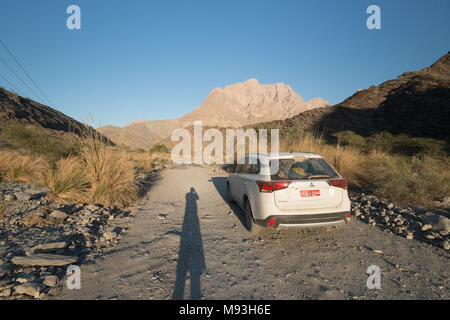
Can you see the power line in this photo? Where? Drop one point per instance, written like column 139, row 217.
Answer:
column 13, row 86
column 18, row 77
column 26, row 73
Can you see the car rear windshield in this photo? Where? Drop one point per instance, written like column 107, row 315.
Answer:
column 304, row 168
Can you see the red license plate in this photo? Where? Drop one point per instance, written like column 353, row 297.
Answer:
column 309, row 193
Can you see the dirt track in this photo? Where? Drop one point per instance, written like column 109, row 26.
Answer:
column 186, row 244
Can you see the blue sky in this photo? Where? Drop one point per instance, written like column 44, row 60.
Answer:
column 143, row 59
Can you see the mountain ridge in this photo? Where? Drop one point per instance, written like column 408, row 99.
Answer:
column 416, row 103
column 235, row 105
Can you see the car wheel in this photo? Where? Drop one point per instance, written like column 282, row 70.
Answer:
column 229, row 197
column 252, row 227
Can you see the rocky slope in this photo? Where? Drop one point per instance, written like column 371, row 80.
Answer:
column 235, row 105
column 24, row 111
column 416, row 103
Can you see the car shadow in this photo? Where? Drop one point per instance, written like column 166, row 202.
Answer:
column 191, row 258
column 220, row 183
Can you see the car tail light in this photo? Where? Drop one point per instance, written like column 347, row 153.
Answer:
column 347, row 217
column 280, row 185
column 271, row 222
column 265, row 186
column 339, row 183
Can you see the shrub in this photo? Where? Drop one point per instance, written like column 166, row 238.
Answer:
column 68, row 180
column 159, row 148
column 110, row 173
column 15, row 166
column 36, row 142
column 393, row 174
column 349, row 138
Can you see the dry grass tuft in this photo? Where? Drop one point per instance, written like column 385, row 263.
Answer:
column 413, row 180
column 68, row 180
column 15, row 166
column 95, row 172
column 110, row 173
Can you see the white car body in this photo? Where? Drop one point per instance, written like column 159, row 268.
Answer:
column 313, row 202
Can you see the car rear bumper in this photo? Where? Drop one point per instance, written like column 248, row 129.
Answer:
column 305, row 220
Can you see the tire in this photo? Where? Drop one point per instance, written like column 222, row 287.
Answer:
column 252, row 227
column 229, row 196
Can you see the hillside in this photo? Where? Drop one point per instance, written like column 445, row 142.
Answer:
column 24, row 111
column 32, row 127
column 416, row 104
column 235, row 105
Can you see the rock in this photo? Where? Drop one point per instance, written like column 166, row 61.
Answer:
column 9, row 197
column 445, row 244
column 92, row 207
column 5, row 283
column 47, row 247
column 109, row 235
column 378, row 251
column 58, row 215
column 30, row 288
column 50, row 281
column 118, row 230
column 426, row 227
column 26, row 278
column 390, row 206
column 5, row 293
column 438, row 222
column 23, row 196
column 446, row 200
column 44, row 260
column 409, row 235
column 38, row 193
column 37, row 213
column 6, row 268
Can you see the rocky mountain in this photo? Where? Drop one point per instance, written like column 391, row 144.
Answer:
column 235, row 105
column 251, row 102
column 416, row 103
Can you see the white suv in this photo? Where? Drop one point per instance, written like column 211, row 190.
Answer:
column 303, row 190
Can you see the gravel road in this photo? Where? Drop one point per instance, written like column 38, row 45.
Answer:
column 186, row 243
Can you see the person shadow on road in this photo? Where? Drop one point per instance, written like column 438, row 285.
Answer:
column 191, row 256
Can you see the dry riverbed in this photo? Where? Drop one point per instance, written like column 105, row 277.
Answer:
column 182, row 240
